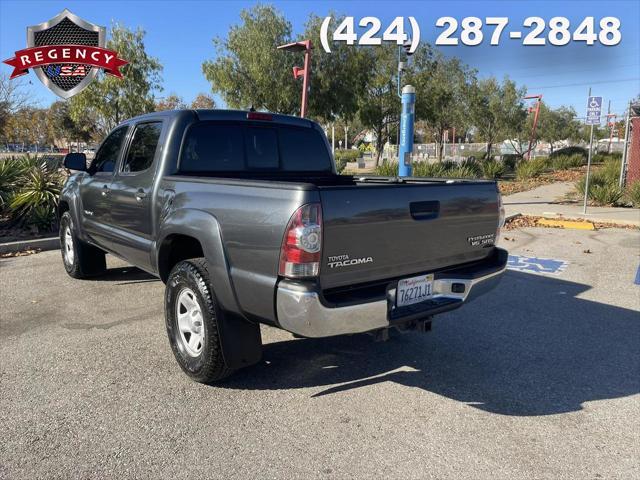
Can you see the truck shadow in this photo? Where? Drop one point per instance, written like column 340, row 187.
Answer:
column 531, row 347
column 127, row 275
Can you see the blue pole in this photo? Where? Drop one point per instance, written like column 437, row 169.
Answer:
column 406, row 131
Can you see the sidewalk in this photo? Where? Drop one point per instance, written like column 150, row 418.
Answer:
column 542, row 202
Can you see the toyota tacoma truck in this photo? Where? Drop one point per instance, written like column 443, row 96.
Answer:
column 243, row 217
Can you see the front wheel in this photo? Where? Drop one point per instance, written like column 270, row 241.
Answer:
column 191, row 318
column 80, row 259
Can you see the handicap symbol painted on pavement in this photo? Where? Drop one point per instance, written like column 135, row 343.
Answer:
column 536, row 265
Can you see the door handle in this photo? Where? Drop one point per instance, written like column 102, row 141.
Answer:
column 105, row 191
column 140, row 194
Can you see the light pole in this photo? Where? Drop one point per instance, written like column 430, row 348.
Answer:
column 535, row 121
column 304, row 72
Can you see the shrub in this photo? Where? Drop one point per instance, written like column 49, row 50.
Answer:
column 606, row 157
column 348, row 154
column 430, row 170
column 462, row 171
column 570, row 151
column 603, row 185
column 11, row 170
column 510, row 160
column 472, row 153
column 343, row 156
column 633, row 194
column 608, row 194
column 527, row 169
column 565, row 162
column 387, row 169
column 492, row 169
column 35, row 198
column 472, row 166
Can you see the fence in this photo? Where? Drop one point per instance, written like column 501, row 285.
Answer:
column 460, row 151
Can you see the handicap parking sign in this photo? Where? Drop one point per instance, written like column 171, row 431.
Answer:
column 594, row 108
column 536, row 265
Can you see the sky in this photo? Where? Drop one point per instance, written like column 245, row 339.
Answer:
column 180, row 33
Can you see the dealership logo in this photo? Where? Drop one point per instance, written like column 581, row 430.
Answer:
column 66, row 53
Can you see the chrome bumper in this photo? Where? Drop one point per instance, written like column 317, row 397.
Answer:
column 302, row 312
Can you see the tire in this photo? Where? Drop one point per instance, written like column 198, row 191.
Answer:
column 191, row 315
column 80, row 259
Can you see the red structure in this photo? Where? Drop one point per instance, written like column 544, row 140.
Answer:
column 304, row 72
column 536, row 109
column 633, row 159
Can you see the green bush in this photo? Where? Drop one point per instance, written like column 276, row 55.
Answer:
column 429, row 170
column 526, row 169
column 565, row 162
column 348, row 154
column 35, row 193
column 472, row 166
column 472, row 153
column 492, row 169
column 343, row 156
column 632, row 194
column 603, row 185
column 11, row 171
column 462, row 171
column 570, row 151
column 608, row 194
column 510, row 160
column 387, row 169
column 606, row 157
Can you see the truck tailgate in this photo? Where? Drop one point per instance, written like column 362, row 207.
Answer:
column 378, row 231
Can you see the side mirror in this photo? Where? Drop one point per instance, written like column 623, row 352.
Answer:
column 75, row 161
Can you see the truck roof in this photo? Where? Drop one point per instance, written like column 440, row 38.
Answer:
column 231, row 115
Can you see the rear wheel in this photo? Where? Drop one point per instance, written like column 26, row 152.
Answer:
column 80, row 259
column 192, row 316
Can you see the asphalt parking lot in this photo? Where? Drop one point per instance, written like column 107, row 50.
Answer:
column 538, row 379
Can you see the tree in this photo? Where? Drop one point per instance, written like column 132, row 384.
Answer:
column 13, row 98
column 171, row 102
column 248, row 70
column 379, row 106
column 497, row 110
column 557, row 125
column 338, row 79
column 442, row 93
column 63, row 127
column 203, row 101
column 109, row 100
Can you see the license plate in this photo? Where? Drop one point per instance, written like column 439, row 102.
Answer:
column 414, row 290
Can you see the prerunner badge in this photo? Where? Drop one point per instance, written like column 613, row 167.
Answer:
column 66, row 53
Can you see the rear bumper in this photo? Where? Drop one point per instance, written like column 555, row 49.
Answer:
column 302, row 310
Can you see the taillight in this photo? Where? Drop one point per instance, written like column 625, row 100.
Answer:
column 501, row 217
column 302, row 243
column 259, row 116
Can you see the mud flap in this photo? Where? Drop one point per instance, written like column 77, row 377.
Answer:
column 240, row 340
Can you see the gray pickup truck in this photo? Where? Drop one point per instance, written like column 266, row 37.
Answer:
column 243, row 217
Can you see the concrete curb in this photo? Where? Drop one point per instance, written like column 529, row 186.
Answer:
column 51, row 243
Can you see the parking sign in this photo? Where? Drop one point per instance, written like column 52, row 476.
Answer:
column 594, row 107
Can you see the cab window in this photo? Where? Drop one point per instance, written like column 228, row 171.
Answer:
column 107, row 156
column 143, row 147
